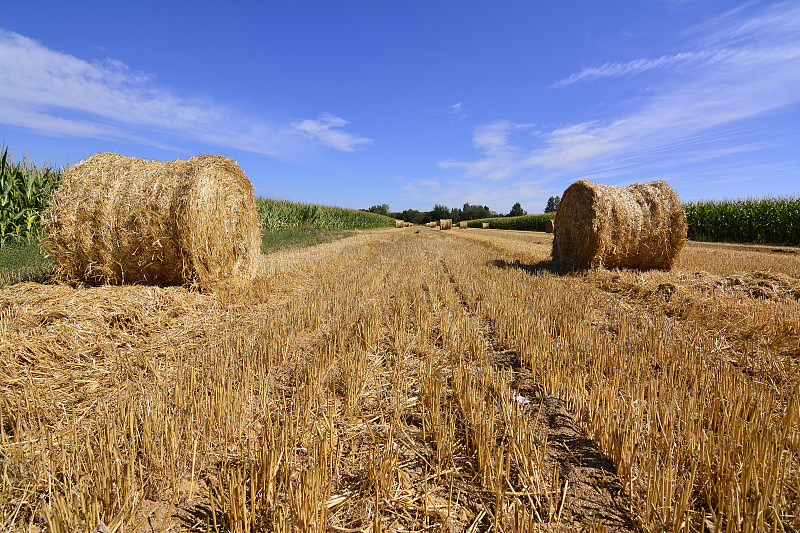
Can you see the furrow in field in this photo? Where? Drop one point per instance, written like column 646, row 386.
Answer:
column 585, row 478
column 382, row 381
column 690, row 387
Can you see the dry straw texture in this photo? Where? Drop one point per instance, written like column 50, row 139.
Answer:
column 549, row 226
column 395, row 381
column 462, row 225
column 399, row 224
column 446, row 223
column 119, row 220
column 640, row 226
column 485, row 225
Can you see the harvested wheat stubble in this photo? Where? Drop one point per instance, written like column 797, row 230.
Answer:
column 641, row 226
column 549, row 226
column 119, row 220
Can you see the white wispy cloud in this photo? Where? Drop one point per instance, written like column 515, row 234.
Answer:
column 327, row 130
column 501, row 155
column 638, row 66
column 56, row 93
column 750, row 67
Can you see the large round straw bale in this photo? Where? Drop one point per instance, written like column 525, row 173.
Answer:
column 549, row 226
column 446, row 223
column 640, row 226
column 119, row 220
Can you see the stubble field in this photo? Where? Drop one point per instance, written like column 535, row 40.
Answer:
column 410, row 380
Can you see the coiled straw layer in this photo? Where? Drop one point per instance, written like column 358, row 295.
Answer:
column 118, row 220
column 641, row 226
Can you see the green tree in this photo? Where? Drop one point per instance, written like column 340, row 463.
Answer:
column 474, row 212
column 382, row 209
column 552, row 204
column 413, row 216
column 439, row 212
column 517, row 211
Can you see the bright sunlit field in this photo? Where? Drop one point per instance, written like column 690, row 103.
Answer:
column 410, row 380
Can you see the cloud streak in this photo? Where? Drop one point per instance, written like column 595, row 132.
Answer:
column 327, row 130
column 639, row 66
column 55, row 93
column 501, row 154
column 747, row 65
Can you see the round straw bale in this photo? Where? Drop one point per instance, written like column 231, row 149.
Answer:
column 641, row 226
column 484, row 225
column 462, row 225
column 119, row 220
column 399, row 224
column 446, row 223
column 549, row 226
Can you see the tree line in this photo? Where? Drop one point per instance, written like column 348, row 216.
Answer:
column 457, row 214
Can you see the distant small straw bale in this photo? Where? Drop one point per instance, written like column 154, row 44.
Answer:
column 549, row 226
column 484, row 225
column 399, row 224
column 118, row 220
column 462, row 225
column 640, row 226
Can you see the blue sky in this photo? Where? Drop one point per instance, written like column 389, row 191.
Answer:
column 417, row 102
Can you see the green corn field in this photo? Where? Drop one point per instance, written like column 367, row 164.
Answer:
column 277, row 215
column 521, row 223
column 753, row 220
column 25, row 190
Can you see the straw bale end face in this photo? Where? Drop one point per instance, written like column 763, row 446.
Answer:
column 641, row 226
column 119, row 220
